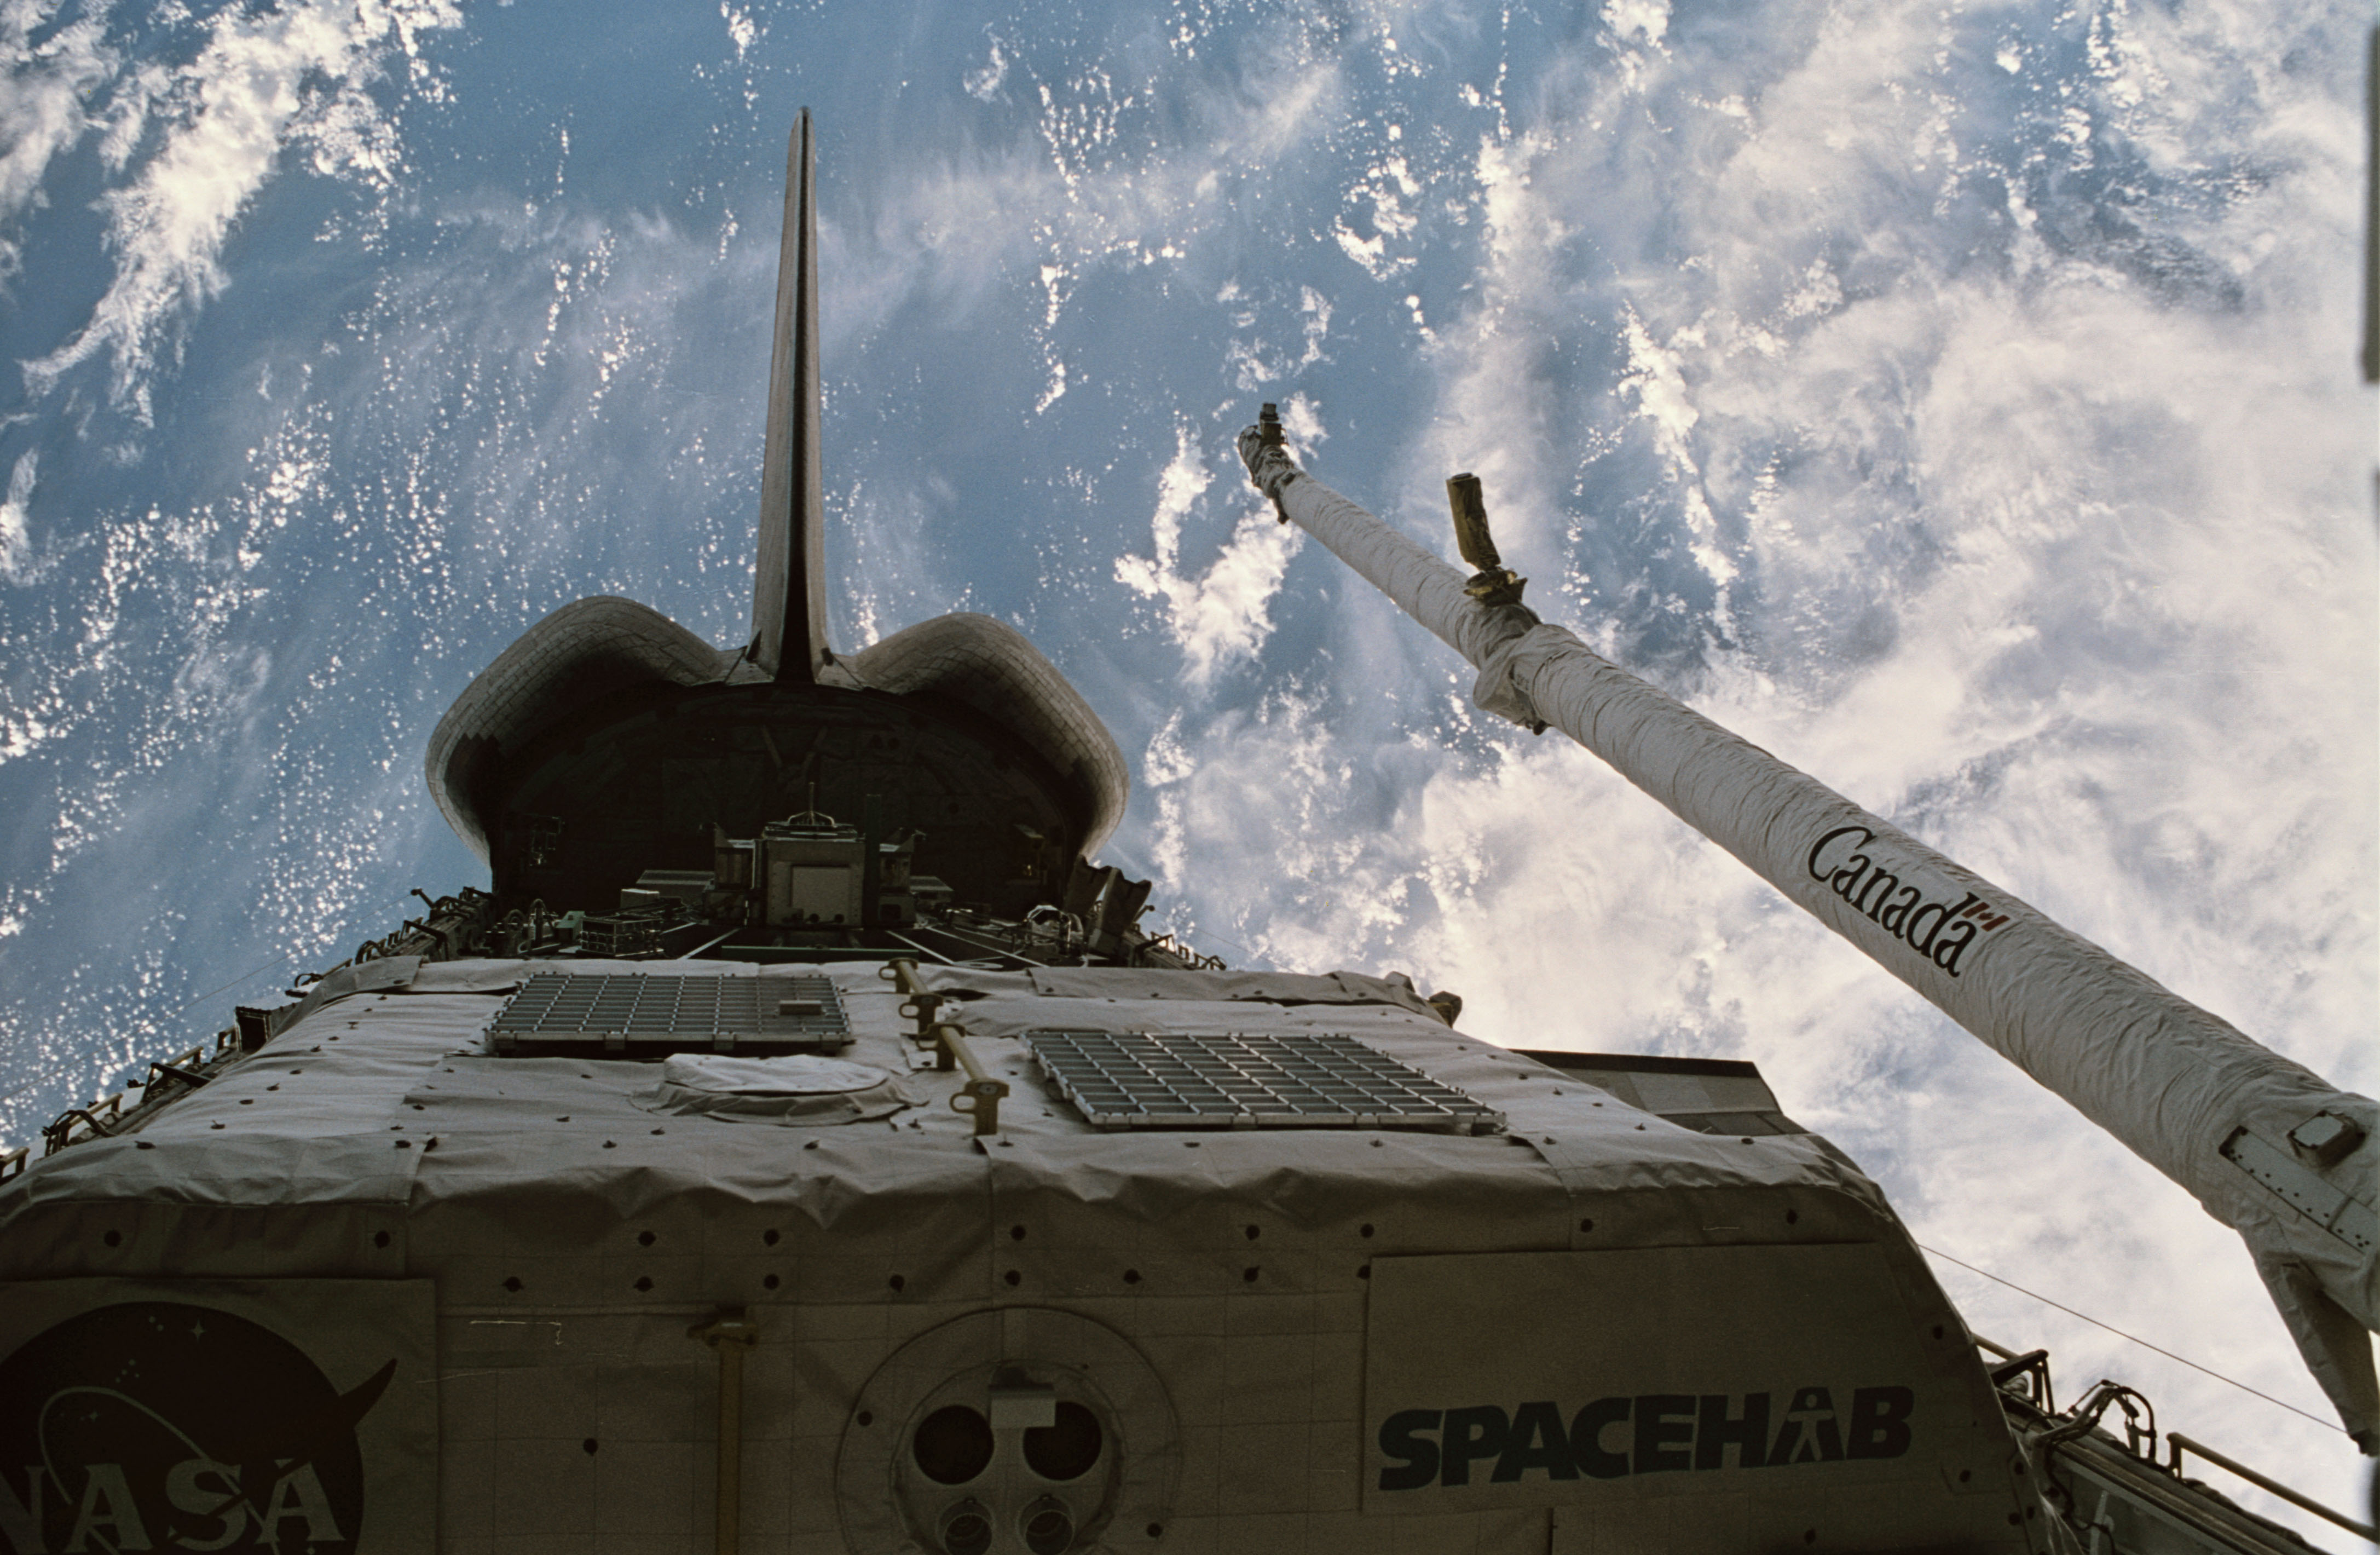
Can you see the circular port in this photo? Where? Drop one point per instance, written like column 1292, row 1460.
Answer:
column 1067, row 1449
column 966, row 1529
column 1102, row 1459
column 953, row 1445
column 1048, row 1529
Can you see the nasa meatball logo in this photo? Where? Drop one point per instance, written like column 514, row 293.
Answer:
column 159, row 1426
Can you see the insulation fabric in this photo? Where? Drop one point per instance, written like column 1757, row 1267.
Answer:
column 2172, row 1081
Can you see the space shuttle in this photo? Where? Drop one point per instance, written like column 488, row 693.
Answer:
column 798, row 1145
column 608, row 739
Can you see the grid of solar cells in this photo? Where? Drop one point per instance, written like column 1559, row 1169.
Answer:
column 1138, row 1079
column 563, row 1004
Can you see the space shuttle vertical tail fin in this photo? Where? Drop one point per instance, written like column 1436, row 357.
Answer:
column 788, row 582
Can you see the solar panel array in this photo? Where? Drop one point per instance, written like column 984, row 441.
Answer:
column 638, row 1015
column 1140, row 1079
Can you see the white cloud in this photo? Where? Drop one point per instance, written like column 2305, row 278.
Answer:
column 983, row 83
column 742, row 31
column 1220, row 616
column 1645, row 21
column 265, row 81
column 45, row 111
column 15, row 534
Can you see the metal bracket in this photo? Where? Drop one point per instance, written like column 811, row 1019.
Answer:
column 2329, row 1207
column 919, row 1002
column 981, row 1093
column 1494, row 583
column 1265, row 449
column 2032, row 1369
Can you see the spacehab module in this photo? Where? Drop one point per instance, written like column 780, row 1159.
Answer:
column 800, row 1146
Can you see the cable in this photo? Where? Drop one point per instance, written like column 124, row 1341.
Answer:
column 2134, row 1338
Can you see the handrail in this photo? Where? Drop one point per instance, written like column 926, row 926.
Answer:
column 2306, row 1503
column 2035, row 1363
column 730, row 1333
column 919, row 1002
column 59, row 1134
column 981, row 1093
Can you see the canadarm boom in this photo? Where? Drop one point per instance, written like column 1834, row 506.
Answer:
column 2266, row 1145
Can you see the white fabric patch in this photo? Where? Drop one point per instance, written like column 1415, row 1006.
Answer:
column 799, row 1089
column 799, row 1074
